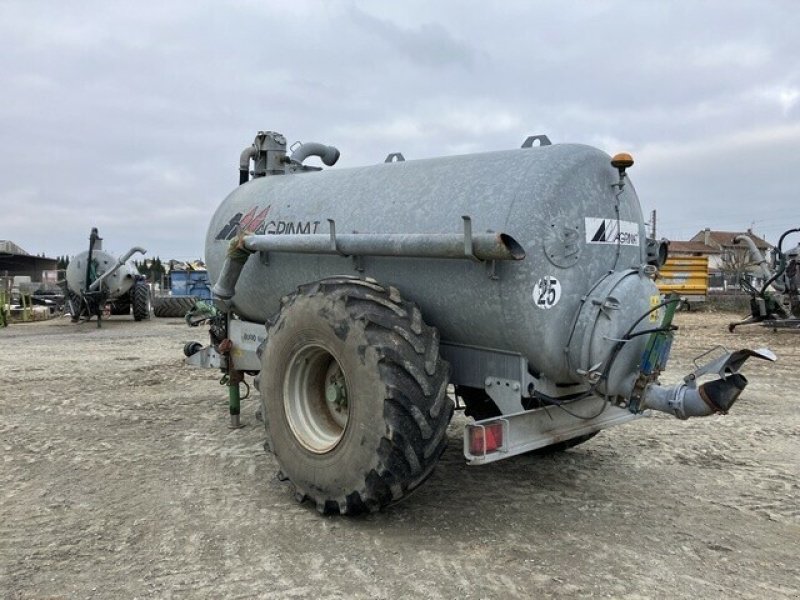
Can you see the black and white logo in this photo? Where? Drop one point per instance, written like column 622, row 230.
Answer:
column 611, row 231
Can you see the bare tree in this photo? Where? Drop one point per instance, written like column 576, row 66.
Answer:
column 735, row 265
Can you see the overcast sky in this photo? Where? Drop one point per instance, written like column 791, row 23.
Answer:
column 131, row 116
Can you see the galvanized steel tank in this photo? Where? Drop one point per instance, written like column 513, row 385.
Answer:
column 582, row 283
column 118, row 283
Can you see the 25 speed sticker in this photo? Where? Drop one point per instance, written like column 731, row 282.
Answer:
column 547, row 292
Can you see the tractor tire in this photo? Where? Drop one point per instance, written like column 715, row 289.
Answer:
column 354, row 395
column 173, row 306
column 141, row 301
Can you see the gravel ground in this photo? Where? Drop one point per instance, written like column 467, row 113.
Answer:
column 120, row 479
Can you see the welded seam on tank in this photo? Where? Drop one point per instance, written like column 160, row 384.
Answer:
column 506, row 320
column 556, row 184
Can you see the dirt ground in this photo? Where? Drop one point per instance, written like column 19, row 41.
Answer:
column 120, row 479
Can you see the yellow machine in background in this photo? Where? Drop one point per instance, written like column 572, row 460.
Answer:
column 686, row 276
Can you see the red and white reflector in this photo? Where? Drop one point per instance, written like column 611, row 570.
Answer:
column 485, row 438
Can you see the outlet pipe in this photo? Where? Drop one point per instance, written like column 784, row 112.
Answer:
column 246, row 156
column 683, row 401
column 237, row 256
column 688, row 399
column 328, row 154
column 121, row 261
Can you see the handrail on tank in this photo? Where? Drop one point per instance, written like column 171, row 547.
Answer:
column 121, row 261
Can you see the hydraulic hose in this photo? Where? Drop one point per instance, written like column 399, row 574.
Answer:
column 781, row 264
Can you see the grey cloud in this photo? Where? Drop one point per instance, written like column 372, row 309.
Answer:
column 429, row 44
column 727, row 182
column 132, row 116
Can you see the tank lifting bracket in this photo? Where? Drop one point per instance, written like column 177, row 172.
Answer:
column 395, row 157
column 542, row 139
column 334, row 243
column 469, row 251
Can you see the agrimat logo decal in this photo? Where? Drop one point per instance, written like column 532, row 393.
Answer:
column 255, row 221
column 611, row 231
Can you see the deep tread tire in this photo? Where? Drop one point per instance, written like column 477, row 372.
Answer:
column 173, row 306
column 396, row 383
column 140, row 296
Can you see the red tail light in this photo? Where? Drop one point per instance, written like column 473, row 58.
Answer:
column 485, row 439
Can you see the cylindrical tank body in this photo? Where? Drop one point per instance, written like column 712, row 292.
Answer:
column 580, row 231
column 117, row 284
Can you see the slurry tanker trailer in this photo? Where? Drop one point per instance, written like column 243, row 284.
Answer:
column 357, row 298
column 95, row 278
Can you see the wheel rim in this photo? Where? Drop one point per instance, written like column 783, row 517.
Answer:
column 315, row 399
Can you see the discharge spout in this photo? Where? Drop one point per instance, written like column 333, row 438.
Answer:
column 225, row 286
column 683, row 401
column 688, row 399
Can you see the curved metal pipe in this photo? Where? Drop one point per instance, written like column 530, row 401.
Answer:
column 783, row 237
column 755, row 255
column 781, row 267
column 328, row 154
column 121, row 261
column 685, row 401
column 246, row 156
column 225, row 286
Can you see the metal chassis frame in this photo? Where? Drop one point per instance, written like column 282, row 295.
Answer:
column 534, row 429
column 503, row 375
